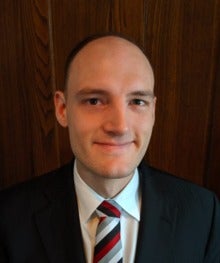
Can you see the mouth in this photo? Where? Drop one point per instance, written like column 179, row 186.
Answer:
column 114, row 146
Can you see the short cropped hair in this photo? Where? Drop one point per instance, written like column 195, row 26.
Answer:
column 80, row 45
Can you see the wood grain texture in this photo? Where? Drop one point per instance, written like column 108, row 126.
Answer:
column 27, row 120
column 212, row 179
column 181, row 42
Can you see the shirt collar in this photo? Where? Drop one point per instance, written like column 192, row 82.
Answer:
column 88, row 200
column 129, row 197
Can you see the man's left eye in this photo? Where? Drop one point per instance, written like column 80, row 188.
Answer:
column 138, row 102
column 93, row 101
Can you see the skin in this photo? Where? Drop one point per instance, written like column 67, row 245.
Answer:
column 109, row 109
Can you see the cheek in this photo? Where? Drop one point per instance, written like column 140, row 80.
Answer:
column 81, row 127
column 75, row 126
column 144, row 130
column 75, row 120
column 78, row 137
column 145, row 124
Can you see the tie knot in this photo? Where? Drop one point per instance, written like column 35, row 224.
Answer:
column 109, row 208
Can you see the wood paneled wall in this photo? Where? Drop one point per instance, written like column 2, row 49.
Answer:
column 181, row 39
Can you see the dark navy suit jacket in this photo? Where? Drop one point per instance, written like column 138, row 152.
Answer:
column 39, row 222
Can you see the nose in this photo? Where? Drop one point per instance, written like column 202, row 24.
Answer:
column 116, row 120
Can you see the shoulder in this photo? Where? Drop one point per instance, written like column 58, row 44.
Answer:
column 197, row 210
column 177, row 189
column 196, row 207
column 23, row 192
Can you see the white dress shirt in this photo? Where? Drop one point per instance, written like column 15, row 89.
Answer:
column 130, row 201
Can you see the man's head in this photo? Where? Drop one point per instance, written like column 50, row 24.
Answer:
column 108, row 107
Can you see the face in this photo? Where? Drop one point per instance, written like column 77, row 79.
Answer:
column 109, row 108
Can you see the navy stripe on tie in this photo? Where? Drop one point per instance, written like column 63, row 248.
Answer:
column 107, row 238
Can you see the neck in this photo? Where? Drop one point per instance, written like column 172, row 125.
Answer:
column 105, row 186
column 109, row 188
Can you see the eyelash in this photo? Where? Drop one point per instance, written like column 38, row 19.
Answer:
column 96, row 101
column 139, row 102
column 93, row 101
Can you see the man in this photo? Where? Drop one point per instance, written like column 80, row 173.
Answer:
column 108, row 106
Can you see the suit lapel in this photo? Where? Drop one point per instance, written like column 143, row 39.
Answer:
column 58, row 222
column 158, row 214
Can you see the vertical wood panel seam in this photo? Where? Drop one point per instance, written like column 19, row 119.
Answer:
column 51, row 46
column 145, row 24
column 53, row 74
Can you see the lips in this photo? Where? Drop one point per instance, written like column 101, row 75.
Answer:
column 114, row 146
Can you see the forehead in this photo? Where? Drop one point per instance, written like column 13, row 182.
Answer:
column 109, row 58
column 108, row 47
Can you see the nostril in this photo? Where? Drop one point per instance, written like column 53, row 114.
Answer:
column 116, row 126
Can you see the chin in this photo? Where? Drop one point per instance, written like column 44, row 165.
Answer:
column 116, row 172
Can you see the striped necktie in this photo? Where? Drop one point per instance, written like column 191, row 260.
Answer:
column 108, row 248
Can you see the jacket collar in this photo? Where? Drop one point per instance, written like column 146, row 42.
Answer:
column 57, row 218
column 158, row 220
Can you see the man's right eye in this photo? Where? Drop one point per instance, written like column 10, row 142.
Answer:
column 93, row 101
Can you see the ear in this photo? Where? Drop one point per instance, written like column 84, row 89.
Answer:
column 60, row 108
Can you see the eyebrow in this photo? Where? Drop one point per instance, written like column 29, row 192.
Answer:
column 98, row 91
column 88, row 91
column 142, row 93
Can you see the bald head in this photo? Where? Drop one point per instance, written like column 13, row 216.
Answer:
column 105, row 50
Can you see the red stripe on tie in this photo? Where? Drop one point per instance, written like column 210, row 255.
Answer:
column 113, row 209
column 107, row 248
